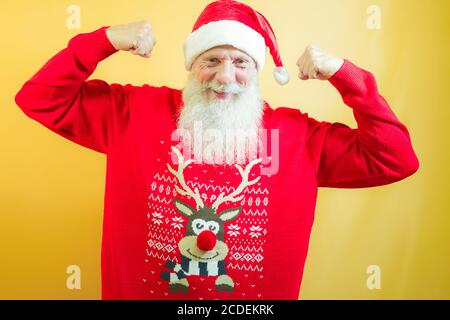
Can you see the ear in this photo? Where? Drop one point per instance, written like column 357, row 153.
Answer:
column 229, row 214
column 183, row 208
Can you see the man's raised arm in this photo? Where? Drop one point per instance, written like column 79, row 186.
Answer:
column 91, row 113
column 379, row 151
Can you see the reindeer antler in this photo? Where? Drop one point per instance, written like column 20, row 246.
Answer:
column 232, row 196
column 179, row 175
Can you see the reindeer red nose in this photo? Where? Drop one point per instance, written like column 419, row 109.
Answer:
column 206, row 240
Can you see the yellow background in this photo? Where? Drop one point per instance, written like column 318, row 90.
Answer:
column 51, row 190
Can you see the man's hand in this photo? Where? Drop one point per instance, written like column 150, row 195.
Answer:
column 135, row 37
column 317, row 64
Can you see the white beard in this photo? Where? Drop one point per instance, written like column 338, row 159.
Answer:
column 218, row 131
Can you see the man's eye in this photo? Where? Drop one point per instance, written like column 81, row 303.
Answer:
column 213, row 60
column 241, row 63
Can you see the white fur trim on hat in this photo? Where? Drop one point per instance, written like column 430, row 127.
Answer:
column 225, row 32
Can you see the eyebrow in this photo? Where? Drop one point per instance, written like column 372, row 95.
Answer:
column 218, row 56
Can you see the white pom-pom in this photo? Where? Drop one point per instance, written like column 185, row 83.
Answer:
column 281, row 75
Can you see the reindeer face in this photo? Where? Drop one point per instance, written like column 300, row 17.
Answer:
column 204, row 239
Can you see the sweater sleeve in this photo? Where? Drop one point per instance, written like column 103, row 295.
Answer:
column 377, row 152
column 91, row 113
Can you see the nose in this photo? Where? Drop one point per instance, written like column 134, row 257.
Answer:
column 225, row 74
column 206, row 240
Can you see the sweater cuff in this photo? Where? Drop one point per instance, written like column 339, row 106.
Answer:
column 350, row 79
column 92, row 47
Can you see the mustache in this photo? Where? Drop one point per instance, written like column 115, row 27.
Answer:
column 223, row 88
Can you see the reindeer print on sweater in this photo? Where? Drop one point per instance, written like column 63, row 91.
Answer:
column 199, row 250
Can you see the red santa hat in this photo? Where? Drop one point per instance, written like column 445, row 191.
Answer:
column 228, row 22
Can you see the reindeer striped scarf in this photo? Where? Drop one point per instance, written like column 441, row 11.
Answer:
column 191, row 267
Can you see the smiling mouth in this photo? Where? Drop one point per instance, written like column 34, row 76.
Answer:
column 189, row 251
column 221, row 95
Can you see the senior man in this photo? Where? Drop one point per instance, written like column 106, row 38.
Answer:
column 210, row 192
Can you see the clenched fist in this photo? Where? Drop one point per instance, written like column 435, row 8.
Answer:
column 135, row 37
column 317, row 64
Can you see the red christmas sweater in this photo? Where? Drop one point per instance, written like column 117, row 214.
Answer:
column 161, row 214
